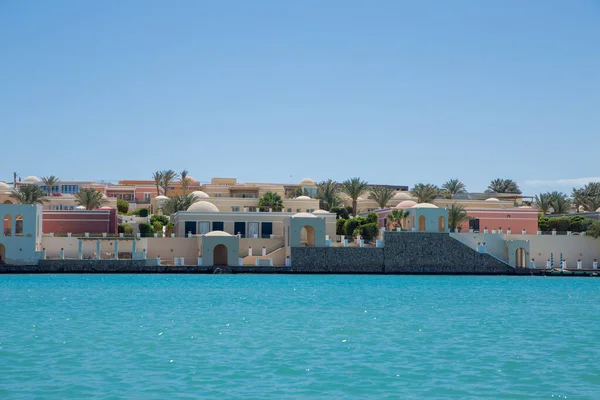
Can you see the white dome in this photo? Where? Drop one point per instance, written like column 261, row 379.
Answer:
column 402, row 196
column 105, row 208
column 320, row 212
column 31, row 179
column 161, row 197
column 203, row 206
column 424, row 205
column 406, row 204
column 303, row 198
column 525, row 207
column 200, row 194
column 4, row 187
column 598, row 210
column 307, row 181
column 303, row 215
column 217, row 233
column 80, row 208
column 492, row 199
column 191, row 178
column 360, row 198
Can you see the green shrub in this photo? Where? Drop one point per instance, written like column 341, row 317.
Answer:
column 157, row 227
column 370, row 231
column 543, row 223
column 170, row 228
column 372, row 218
column 349, row 210
column 122, row 206
column 353, row 223
column 163, row 219
column 594, row 229
column 579, row 223
column 339, row 226
column 141, row 212
column 125, row 228
column 340, row 212
column 145, row 229
column 560, row 224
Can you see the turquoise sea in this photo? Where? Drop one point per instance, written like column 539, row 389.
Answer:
column 290, row 336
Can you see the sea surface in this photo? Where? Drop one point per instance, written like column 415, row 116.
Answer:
column 291, row 336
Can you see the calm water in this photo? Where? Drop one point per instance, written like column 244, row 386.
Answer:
column 248, row 336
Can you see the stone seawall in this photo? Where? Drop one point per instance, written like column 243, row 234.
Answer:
column 403, row 253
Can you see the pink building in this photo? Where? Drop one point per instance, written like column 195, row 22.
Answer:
column 515, row 219
column 103, row 220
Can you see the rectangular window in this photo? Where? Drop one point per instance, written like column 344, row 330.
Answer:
column 235, row 208
column 252, row 209
column 253, row 229
column 146, row 196
column 218, row 226
column 289, row 210
column 267, row 230
column 203, row 227
column 240, row 227
column 218, row 194
column 190, row 226
column 297, row 210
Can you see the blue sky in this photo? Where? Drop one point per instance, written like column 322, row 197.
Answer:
column 393, row 91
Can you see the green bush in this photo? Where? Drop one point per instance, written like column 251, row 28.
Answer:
column 579, row 223
column 163, row 219
column 594, row 229
column 157, row 227
column 145, row 229
column 141, row 212
column 370, row 231
column 340, row 212
column 372, row 218
column 170, row 228
column 125, row 228
column 122, row 206
column 543, row 223
column 353, row 223
column 349, row 210
column 339, row 226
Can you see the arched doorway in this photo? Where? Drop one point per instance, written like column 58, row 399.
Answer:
column 422, row 223
column 19, row 225
column 8, row 202
column 2, row 254
column 520, row 258
column 7, row 225
column 220, row 255
column 441, row 224
column 307, row 236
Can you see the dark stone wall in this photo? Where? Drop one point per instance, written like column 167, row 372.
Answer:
column 340, row 260
column 98, row 267
column 436, row 253
column 403, row 253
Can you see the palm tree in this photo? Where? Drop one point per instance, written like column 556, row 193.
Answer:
column 452, row 187
column 542, row 202
column 456, row 216
column 270, row 200
column 90, row 199
column 178, row 203
column 503, row 186
column 381, row 194
column 559, row 202
column 158, row 178
column 184, row 180
column 50, row 181
column 591, row 193
column 578, row 198
column 425, row 193
column 396, row 217
column 168, row 177
column 328, row 193
column 29, row 194
column 354, row 188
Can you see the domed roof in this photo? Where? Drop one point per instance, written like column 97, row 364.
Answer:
column 4, row 187
column 360, row 198
column 598, row 210
column 203, row 206
column 303, row 198
column 425, row 205
column 492, row 199
column 406, row 204
column 105, row 208
column 161, row 197
column 303, row 215
column 80, row 208
column 525, row 207
column 307, row 181
column 320, row 212
column 191, row 178
column 218, row 233
column 31, row 179
column 402, row 196
column 200, row 194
